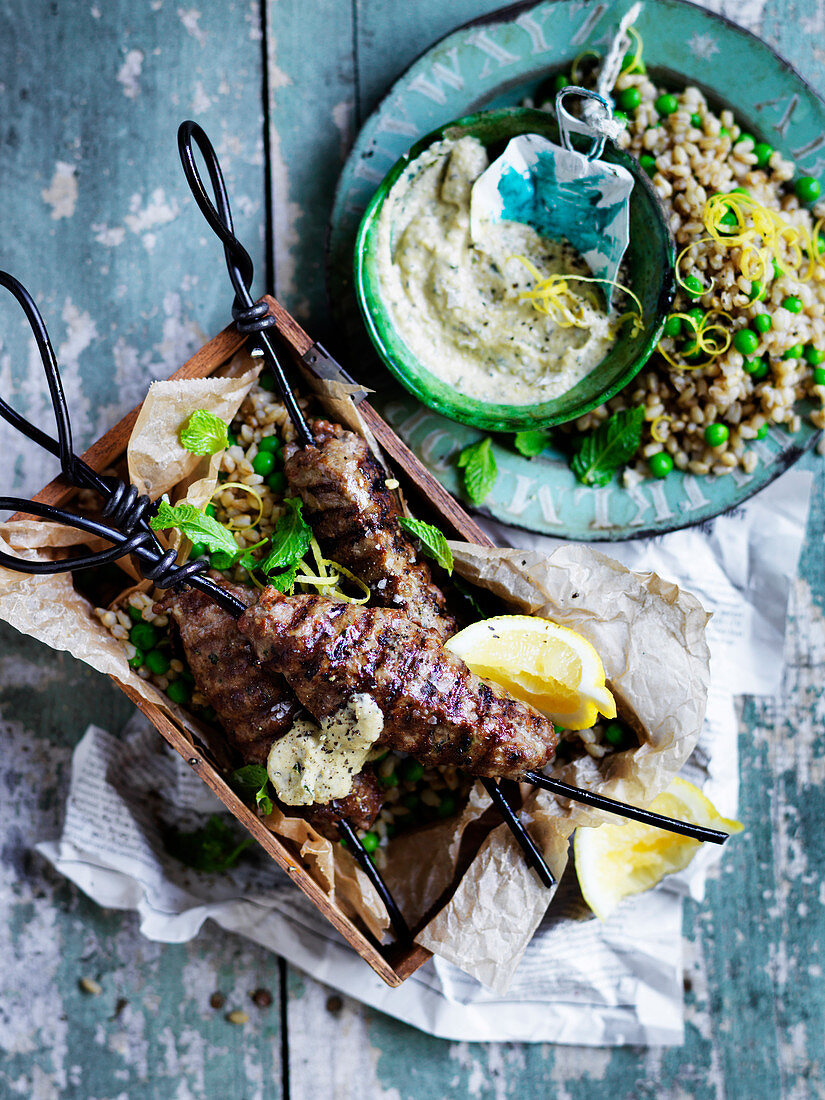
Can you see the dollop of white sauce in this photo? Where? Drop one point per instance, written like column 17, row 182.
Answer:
column 454, row 300
column 317, row 762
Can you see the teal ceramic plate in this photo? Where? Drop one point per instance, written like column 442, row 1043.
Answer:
column 496, row 62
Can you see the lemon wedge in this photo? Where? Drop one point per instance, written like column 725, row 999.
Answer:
column 546, row 665
column 615, row 861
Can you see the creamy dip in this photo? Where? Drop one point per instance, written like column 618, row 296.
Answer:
column 454, row 299
column 318, row 762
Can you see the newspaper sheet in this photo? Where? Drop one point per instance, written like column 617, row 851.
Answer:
column 581, row 981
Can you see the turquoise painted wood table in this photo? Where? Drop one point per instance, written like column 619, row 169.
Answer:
column 91, row 204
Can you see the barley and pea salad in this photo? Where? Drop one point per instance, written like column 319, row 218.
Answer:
column 252, row 505
column 745, row 340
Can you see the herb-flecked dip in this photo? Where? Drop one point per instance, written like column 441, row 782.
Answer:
column 454, row 298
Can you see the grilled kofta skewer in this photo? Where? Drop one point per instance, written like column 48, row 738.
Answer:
column 434, row 707
column 355, row 518
column 255, row 707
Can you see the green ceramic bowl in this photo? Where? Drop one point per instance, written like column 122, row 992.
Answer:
column 650, row 258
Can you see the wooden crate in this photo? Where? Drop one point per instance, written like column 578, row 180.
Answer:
column 393, row 963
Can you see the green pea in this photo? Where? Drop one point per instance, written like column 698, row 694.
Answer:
column 157, row 662
column 691, row 350
column 620, row 116
column 778, row 269
column 231, row 439
column 446, row 807
column 762, row 323
column 263, row 463
column 390, row 780
column 692, row 287
column 277, row 481
column 209, row 714
column 629, row 99
column 209, row 510
column 271, row 444
column 369, row 842
column 673, row 326
column 763, row 431
column 746, row 341
column 221, row 561
column 760, row 369
column 648, row 163
column 144, row 636
column 814, row 356
column 630, row 62
column 266, row 381
column 696, row 120
column 729, row 219
column 757, row 292
column 411, row 770
column 186, row 675
column 411, row 802
column 199, row 550
column 561, row 81
column 716, row 434
column 666, row 104
column 178, row 692
column 614, row 734
column 137, row 660
column 792, row 304
column 819, row 376
column 697, row 316
column 746, row 137
column 724, row 131
column 807, row 189
column 134, row 613
column 739, row 191
column 660, row 464
column 763, row 153
column 795, row 351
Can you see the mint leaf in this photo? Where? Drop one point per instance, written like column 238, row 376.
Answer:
column 253, row 779
column 531, row 443
column 204, row 433
column 290, row 539
column 433, row 541
column 480, row 470
column 212, row 849
column 610, row 446
column 196, row 525
column 284, row 580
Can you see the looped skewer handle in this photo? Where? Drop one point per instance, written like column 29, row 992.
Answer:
column 623, row 809
column 252, row 318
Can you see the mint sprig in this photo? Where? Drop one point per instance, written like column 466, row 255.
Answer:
column 602, row 452
column 195, row 525
column 253, row 779
column 290, row 540
column 211, row 849
column 480, row 469
column 531, row 442
column 433, row 542
column 204, row 433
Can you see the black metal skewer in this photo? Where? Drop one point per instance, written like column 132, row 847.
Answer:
column 623, row 809
column 525, row 841
column 363, row 860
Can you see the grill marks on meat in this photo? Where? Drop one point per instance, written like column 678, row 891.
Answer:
column 254, row 707
column 355, row 519
column 434, row 707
